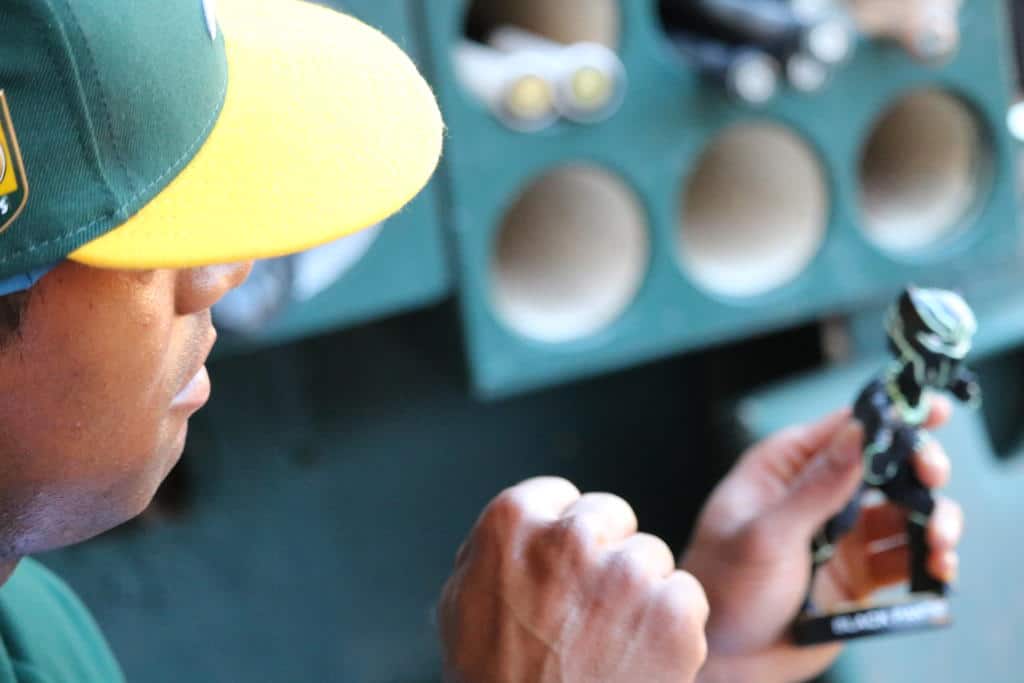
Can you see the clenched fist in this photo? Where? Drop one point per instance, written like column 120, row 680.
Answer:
column 555, row 587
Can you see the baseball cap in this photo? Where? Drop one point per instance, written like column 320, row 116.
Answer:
column 144, row 134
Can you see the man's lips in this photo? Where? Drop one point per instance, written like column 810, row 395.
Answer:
column 195, row 394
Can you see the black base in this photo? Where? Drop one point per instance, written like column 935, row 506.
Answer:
column 918, row 612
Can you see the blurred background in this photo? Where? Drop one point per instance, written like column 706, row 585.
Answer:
column 662, row 230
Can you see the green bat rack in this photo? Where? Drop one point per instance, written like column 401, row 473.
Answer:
column 687, row 219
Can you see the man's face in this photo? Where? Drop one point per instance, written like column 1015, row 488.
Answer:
column 95, row 396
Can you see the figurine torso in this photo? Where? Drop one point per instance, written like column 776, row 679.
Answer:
column 891, row 408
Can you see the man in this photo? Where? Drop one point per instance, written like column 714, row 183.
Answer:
column 143, row 141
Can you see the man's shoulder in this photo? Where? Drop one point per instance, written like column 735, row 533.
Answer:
column 47, row 635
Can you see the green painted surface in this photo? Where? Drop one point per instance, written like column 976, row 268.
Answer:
column 652, row 144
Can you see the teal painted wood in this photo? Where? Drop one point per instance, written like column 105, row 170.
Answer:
column 652, row 144
column 406, row 268
column 983, row 643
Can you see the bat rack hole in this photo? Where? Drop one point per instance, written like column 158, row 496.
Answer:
column 921, row 171
column 570, row 255
column 745, row 227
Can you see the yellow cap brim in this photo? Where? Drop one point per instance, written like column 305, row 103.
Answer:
column 327, row 128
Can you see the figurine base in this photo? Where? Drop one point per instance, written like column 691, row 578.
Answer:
column 916, row 613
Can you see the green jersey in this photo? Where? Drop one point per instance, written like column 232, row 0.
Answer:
column 47, row 635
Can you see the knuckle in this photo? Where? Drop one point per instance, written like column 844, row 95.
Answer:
column 658, row 550
column 561, row 482
column 571, row 538
column 683, row 606
column 626, row 573
column 615, row 505
column 506, row 512
column 560, row 549
column 503, row 523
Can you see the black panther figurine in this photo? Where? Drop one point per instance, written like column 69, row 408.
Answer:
column 930, row 333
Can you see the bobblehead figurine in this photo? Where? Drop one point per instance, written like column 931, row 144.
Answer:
column 930, row 333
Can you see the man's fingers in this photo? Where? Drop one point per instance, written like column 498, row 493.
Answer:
column 608, row 518
column 932, row 465
column 942, row 410
column 689, row 594
column 885, row 542
column 892, row 566
column 786, row 452
column 541, row 498
column 645, row 554
column 533, row 503
column 946, row 525
column 824, row 486
column 944, row 565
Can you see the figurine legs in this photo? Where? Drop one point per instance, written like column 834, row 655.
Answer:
column 921, row 581
column 824, row 546
column 908, row 491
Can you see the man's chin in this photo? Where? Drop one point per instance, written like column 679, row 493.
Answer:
column 178, row 447
column 172, row 449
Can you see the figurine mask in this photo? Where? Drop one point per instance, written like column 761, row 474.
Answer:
column 931, row 330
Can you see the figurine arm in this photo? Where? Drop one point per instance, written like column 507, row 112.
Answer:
column 872, row 410
column 966, row 388
column 880, row 459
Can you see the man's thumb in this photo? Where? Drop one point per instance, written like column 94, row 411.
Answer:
column 826, row 484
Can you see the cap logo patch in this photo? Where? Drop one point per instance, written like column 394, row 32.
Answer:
column 210, row 12
column 13, row 183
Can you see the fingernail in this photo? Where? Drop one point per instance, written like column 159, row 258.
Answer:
column 845, row 449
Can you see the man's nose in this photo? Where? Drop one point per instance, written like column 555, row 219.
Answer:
column 200, row 288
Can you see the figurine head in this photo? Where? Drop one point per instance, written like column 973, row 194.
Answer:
column 931, row 329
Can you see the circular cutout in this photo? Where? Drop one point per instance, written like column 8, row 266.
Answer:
column 564, row 21
column 754, row 213
column 570, row 256
column 920, row 171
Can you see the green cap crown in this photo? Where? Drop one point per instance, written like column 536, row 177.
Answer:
column 108, row 101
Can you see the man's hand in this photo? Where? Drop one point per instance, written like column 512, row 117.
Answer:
column 555, row 587
column 751, row 550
